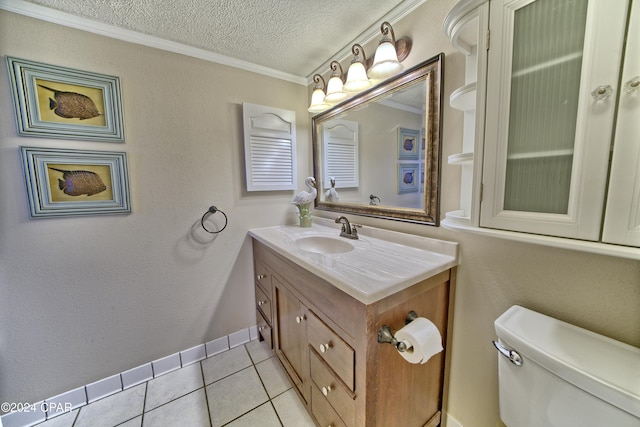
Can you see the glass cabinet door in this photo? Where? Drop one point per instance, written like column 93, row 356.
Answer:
column 553, row 70
column 622, row 214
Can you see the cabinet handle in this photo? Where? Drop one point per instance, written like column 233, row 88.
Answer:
column 261, row 328
column 325, row 347
column 633, row 85
column 326, row 390
column 299, row 319
column 602, row 92
column 262, row 302
column 261, row 276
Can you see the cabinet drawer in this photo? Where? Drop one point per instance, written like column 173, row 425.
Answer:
column 332, row 389
column 332, row 349
column 264, row 329
column 263, row 277
column 322, row 410
column 263, row 303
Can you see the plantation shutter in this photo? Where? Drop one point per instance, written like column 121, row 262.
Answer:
column 340, row 139
column 269, row 148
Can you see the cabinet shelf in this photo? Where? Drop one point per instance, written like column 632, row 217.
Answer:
column 576, row 56
column 456, row 218
column 540, row 154
column 464, row 98
column 460, row 159
column 461, row 25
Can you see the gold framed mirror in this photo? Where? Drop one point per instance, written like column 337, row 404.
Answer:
column 378, row 153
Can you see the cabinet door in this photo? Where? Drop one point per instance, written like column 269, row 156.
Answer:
column 291, row 336
column 553, row 70
column 622, row 216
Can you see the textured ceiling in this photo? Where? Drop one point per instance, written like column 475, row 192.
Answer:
column 292, row 36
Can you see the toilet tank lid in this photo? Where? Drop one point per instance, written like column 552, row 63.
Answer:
column 604, row 367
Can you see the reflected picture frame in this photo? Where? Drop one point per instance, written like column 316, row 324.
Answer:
column 63, row 182
column 51, row 101
column 408, row 177
column 409, row 144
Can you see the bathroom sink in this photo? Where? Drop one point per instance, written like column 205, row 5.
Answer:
column 323, row 244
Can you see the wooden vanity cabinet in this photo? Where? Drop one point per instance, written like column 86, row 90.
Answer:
column 263, row 293
column 291, row 335
column 326, row 341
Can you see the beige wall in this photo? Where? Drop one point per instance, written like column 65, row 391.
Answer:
column 84, row 298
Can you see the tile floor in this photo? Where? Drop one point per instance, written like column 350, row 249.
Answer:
column 242, row 387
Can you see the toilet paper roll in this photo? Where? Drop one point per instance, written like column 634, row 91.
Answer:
column 423, row 339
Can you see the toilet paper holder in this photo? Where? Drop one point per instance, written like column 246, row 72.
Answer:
column 385, row 336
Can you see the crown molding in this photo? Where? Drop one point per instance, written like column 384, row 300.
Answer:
column 62, row 18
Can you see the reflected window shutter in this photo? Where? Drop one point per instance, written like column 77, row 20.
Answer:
column 341, row 153
column 269, row 148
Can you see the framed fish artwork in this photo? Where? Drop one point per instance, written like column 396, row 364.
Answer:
column 408, row 177
column 408, row 144
column 63, row 182
column 58, row 102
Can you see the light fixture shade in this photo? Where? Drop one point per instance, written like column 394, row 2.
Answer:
column 357, row 79
column 385, row 61
column 317, row 97
column 335, row 91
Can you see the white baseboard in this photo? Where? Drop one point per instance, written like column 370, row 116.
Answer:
column 452, row 422
column 58, row 405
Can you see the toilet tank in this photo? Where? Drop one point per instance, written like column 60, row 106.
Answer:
column 568, row 376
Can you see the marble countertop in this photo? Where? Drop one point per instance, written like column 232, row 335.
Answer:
column 381, row 263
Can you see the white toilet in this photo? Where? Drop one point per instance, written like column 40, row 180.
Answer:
column 553, row 374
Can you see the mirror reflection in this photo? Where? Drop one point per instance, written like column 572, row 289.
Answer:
column 377, row 154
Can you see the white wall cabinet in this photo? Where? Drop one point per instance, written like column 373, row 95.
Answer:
column 622, row 220
column 560, row 100
column 269, row 148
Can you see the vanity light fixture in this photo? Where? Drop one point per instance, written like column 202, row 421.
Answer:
column 386, row 61
column 357, row 79
column 335, row 90
column 318, row 103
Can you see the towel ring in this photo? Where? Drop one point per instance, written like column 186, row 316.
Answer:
column 213, row 210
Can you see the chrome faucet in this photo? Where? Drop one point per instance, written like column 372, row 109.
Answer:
column 350, row 231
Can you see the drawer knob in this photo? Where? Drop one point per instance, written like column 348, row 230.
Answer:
column 326, row 390
column 299, row 319
column 325, row 347
column 261, row 276
column 262, row 302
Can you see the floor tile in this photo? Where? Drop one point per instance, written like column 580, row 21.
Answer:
column 225, row 364
column 230, row 389
column 64, row 420
column 136, row 422
column 114, row 409
column 263, row 416
column 273, row 377
column 190, row 410
column 173, row 385
column 291, row 411
column 259, row 351
column 235, row 395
